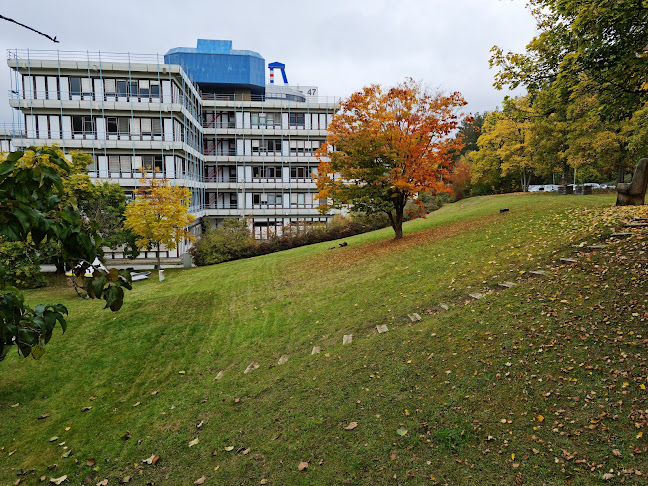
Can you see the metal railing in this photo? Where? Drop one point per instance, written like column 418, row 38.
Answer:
column 331, row 100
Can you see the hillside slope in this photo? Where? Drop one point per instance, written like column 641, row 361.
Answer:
column 538, row 383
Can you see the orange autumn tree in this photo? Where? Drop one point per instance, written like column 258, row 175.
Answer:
column 385, row 147
column 159, row 215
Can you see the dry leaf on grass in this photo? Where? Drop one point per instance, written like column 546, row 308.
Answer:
column 351, row 426
column 303, row 465
column 200, row 480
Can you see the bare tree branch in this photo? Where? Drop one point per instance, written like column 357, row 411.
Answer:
column 53, row 39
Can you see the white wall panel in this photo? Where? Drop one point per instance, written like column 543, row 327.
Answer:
column 65, row 87
column 248, row 147
column 98, row 89
column 168, row 129
column 67, row 126
column 100, row 127
column 170, row 167
column 42, row 126
column 166, row 91
column 103, row 166
column 246, row 120
column 52, row 88
column 284, row 120
column 40, row 87
column 239, row 120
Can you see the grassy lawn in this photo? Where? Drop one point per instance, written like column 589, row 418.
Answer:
column 540, row 384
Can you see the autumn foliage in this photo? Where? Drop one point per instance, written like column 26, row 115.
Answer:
column 385, row 147
column 159, row 216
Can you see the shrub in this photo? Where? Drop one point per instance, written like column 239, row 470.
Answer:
column 19, row 266
column 425, row 204
column 229, row 241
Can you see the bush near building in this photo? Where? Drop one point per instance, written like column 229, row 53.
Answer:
column 232, row 240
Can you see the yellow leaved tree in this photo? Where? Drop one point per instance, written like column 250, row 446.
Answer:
column 159, row 216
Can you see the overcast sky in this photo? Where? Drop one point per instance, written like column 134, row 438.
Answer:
column 338, row 45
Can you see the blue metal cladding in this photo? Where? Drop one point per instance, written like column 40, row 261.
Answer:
column 215, row 63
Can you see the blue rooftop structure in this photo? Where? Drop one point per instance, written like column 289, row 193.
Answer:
column 216, row 67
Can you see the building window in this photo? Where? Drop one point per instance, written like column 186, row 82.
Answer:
column 152, row 163
column 82, row 125
column 267, row 199
column 297, row 120
column 266, row 172
column 302, row 172
column 122, row 88
column 75, row 86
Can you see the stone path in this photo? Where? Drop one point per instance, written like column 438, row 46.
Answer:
column 415, row 317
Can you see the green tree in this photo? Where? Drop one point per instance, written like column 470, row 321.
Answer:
column 34, row 210
column 596, row 40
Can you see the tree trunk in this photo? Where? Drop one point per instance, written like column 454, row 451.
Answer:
column 159, row 263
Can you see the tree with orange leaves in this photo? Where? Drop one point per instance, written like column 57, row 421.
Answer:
column 384, row 147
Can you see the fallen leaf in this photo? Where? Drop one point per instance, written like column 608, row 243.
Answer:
column 199, row 425
column 181, row 372
column 125, row 435
column 125, row 479
column 58, row 480
column 103, row 483
column 264, row 481
column 194, row 442
column 607, row 476
column 152, row 460
column 85, row 409
column 44, row 416
column 302, row 466
column 402, row 431
column 137, row 404
column 351, row 426
column 91, row 462
column 154, row 392
column 540, row 418
column 246, row 451
column 200, row 480
column 52, row 439
column 616, row 452
column 229, row 448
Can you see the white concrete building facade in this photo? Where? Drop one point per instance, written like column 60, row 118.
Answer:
column 244, row 149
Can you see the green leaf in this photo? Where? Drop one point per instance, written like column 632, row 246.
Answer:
column 37, row 351
column 401, row 431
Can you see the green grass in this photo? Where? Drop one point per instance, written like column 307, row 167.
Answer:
column 449, row 380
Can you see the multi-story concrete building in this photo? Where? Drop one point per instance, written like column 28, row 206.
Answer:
column 202, row 117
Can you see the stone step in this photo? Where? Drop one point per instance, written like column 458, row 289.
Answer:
column 316, row 350
column 537, row 272
column 283, row 359
column 347, row 339
column 568, row 260
column 444, row 306
column 382, row 328
column 251, row 367
column 507, row 285
column 620, row 235
column 635, row 225
column 596, row 247
column 477, row 295
column 414, row 317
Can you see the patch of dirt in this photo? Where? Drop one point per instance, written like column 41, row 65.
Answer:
column 353, row 255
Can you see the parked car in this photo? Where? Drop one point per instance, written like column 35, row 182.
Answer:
column 593, row 185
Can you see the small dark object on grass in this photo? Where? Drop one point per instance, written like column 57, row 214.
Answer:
column 506, row 210
column 333, row 248
column 344, row 243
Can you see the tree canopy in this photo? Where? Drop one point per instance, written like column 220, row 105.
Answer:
column 386, row 146
column 159, row 216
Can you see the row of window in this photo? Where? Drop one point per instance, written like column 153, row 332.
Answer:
column 115, row 89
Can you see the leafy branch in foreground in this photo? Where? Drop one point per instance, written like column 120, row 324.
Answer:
column 34, row 209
